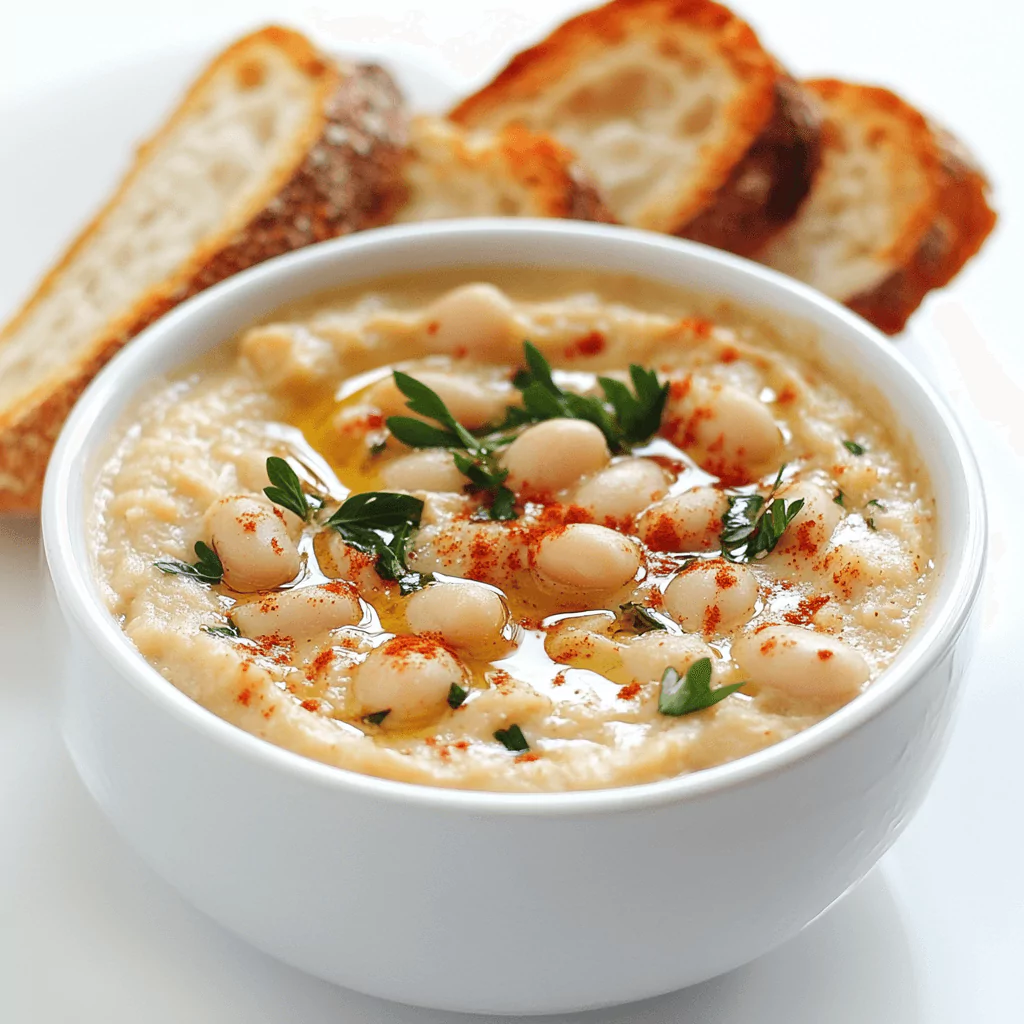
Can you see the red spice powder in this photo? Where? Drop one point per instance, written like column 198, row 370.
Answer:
column 321, row 661
column 433, row 327
column 698, row 325
column 712, row 617
column 591, row 344
column 248, row 521
column 725, row 578
column 275, row 546
column 824, row 654
column 806, row 610
column 310, row 705
column 461, row 745
column 530, row 756
column 559, row 680
column 786, row 395
column 629, row 691
column 662, row 534
column 807, row 537
column 406, row 646
column 728, row 354
column 339, row 587
column 244, row 696
column 769, row 645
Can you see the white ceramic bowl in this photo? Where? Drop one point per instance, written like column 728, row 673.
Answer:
column 507, row 903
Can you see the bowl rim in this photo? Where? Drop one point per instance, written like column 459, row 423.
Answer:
column 79, row 598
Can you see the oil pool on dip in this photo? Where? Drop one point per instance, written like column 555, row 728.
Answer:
column 521, row 530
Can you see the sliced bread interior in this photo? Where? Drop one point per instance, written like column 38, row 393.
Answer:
column 897, row 207
column 675, row 108
column 274, row 146
column 514, row 173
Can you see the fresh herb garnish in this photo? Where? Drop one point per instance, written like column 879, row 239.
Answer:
column 871, row 524
column 377, row 717
column 286, row 489
column 640, row 618
column 753, row 524
column 625, row 417
column 876, row 503
column 380, row 523
column 206, row 569
column 694, row 692
column 230, row 630
column 475, row 457
column 840, row 498
column 512, row 738
column 378, row 449
column 456, row 696
column 853, row 448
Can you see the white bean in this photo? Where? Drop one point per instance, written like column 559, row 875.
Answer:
column 553, row 455
column 685, row 522
column 812, row 527
column 587, row 557
column 472, row 402
column 341, row 561
column 475, row 319
column 801, row 662
column 302, row 613
column 288, row 357
column 728, row 432
column 647, row 657
column 712, row 597
column 251, row 538
column 466, row 615
column 409, row 677
column 483, row 551
column 622, row 490
column 431, row 469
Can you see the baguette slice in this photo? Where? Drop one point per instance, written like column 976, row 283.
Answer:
column 898, row 207
column 516, row 173
column 275, row 146
column 687, row 124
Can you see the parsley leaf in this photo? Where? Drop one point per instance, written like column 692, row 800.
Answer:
column 876, row 504
column 456, row 696
column 380, row 523
column 640, row 618
column 230, row 630
column 206, row 569
column 840, row 498
column 694, row 692
column 475, row 457
column 286, row 488
column 853, row 448
column 624, row 417
column 377, row 717
column 753, row 524
column 512, row 738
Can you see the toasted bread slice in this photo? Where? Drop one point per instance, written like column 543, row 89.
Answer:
column 897, row 208
column 686, row 123
column 515, row 173
column 275, row 146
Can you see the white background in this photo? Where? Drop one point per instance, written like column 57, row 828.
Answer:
column 934, row 936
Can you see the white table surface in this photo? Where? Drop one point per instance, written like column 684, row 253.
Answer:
column 936, row 933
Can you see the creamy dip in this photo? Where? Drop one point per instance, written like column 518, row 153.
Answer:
column 553, row 599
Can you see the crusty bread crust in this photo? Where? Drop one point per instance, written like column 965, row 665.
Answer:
column 766, row 188
column 586, row 40
column 961, row 223
column 344, row 174
column 516, row 173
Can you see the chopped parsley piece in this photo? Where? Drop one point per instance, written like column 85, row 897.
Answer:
column 753, row 525
column 840, row 498
column 207, row 567
column 380, row 523
column 286, row 489
column 853, row 448
column 871, row 524
column 457, row 696
column 377, row 717
column 512, row 738
column 639, row 618
column 876, row 504
column 693, row 692
column 230, row 630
